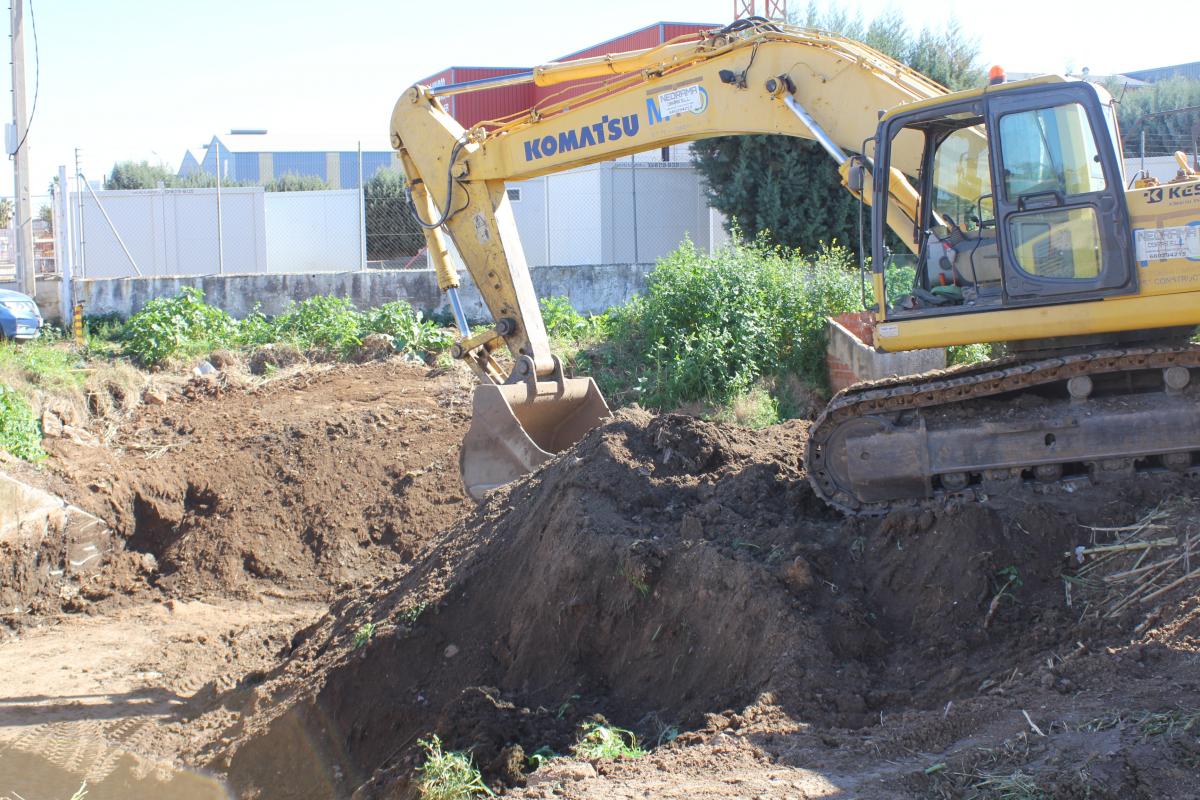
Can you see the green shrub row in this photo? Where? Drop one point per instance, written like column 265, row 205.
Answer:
column 186, row 325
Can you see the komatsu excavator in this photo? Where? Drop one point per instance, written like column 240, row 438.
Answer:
column 1016, row 225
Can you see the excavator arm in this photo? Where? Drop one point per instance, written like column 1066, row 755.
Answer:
column 752, row 77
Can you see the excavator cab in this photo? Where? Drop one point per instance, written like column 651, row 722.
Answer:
column 1021, row 203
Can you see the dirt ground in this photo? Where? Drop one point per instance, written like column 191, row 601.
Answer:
column 320, row 598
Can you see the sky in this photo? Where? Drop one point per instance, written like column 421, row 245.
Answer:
column 148, row 79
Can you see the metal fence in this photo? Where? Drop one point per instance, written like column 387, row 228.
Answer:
column 634, row 210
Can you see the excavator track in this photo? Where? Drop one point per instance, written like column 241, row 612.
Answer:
column 1004, row 425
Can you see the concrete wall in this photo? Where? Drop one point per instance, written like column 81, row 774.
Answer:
column 591, row 289
column 851, row 358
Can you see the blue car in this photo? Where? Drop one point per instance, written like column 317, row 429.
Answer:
column 19, row 316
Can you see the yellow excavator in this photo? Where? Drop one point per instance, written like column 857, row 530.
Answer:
column 1004, row 217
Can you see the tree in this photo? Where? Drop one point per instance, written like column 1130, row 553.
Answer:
column 144, row 175
column 292, row 182
column 46, row 215
column 391, row 231
column 787, row 187
column 6, row 212
column 1165, row 133
column 138, row 175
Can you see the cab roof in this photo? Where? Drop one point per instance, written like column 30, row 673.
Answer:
column 971, row 94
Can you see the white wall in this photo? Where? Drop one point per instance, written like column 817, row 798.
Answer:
column 172, row 232
column 312, row 231
column 591, row 212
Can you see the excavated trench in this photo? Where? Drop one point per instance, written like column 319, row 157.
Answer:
column 665, row 570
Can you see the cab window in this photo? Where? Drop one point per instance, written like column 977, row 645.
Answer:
column 955, row 256
column 1050, row 150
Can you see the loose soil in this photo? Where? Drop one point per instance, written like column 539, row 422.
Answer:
column 331, row 476
column 671, row 576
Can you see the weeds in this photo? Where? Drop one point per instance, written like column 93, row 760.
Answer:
column 43, row 363
column 20, row 432
column 364, row 634
column 1169, row 723
column 185, row 325
column 539, row 757
column 323, row 322
column 565, row 706
column 715, row 330
column 1011, row 577
column 564, row 323
column 643, row 588
column 409, row 329
column 598, row 740
column 411, row 614
column 448, row 775
column 968, row 354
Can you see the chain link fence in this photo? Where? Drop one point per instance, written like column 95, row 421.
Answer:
column 634, row 210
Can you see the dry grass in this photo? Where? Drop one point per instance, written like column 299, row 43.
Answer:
column 1129, row 568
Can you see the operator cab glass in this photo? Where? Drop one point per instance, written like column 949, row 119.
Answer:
column 1019, row 197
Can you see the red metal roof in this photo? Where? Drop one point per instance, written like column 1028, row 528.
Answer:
column 474, row 107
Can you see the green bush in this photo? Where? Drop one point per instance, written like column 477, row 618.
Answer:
column 709, row 326
column 169, row 326
column 563, row 322
column 20, row 432
column 186, row 325
column 968, row 354
column 108, row 327
column 323, row 322
column 256, row 329
column 408, row 328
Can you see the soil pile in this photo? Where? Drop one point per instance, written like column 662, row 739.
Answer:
column 664, row 570
column 331, row 476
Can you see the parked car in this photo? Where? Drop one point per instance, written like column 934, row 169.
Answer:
column 19, row 316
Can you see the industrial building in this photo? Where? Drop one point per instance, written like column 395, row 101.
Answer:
column 338, row 168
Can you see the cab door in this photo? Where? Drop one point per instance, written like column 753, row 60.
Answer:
column 1059, row 201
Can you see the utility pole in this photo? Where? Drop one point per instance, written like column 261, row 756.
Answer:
column 22, row 213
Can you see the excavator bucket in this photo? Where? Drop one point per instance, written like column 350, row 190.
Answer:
column 517, row 427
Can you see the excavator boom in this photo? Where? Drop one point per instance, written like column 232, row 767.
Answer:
column 750, row 77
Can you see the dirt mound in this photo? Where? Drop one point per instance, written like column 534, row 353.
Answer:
column 331, row 476
column 664, row 570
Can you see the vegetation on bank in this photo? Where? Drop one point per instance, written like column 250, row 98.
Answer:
column 185, row 325
column 738, row 335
